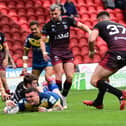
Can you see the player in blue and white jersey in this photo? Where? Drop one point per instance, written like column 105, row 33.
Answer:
column 38, row 63
column 36, row 101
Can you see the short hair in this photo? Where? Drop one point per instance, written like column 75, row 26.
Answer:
column 34, row 77
column 33, row 22
column 54, row 6
column 103, row 13
column 27, row 79
column 31, row 90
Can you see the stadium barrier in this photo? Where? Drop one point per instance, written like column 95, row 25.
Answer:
column 81, row 79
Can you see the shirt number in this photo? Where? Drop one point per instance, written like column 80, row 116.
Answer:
column 116, row 29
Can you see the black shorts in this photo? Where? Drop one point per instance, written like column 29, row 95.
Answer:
column 114, row 60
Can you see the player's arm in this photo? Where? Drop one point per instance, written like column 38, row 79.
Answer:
column 91, row 42
column 12, row 61
column 83, row 27
column 25, row 57
column 4, row 95
column 6, row 52
column 56, row 107
column 43, row 47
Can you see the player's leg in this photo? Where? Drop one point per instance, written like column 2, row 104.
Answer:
column 103, row 86
column 3, row 78
column 36, row 72
column 58, row 68
column 69, row 70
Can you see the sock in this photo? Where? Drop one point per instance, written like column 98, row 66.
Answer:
column 100, row 96
column 104, row 86
column 59, row 84
column 67, row 86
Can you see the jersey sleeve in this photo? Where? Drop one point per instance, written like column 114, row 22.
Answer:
column 27, row 43
column 21, row 105
column 45, row 29
column 72, row 21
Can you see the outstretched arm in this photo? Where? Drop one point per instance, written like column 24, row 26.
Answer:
column 84, row 27
column 92, row 38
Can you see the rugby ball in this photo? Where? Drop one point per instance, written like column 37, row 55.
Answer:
column 11, row 110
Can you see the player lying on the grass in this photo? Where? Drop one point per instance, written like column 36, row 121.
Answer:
column 36, row 101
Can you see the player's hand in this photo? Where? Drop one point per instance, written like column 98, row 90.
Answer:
column 45, row 56
column 42, row 109
column 24, row 72
column 5, row 96
column 10, row 103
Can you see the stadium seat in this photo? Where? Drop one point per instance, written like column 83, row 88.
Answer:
column 86, row 59
column 73, row 42
column 83, row 9
column 3, row 4
column 22, row 20
column 46, row 4
column 12, row 12
column 19, row 52
column 21, row 12
column 16, row 36
column 4, row 11
column 19, row 62
column 10, row 44
column 5, row 28
column 84, row 51
column 39, row 11
column 76, row 51
column 15, row 18
column 8, row 36
column 11, row 4
column 41, row 19
column 20, row 4
column 30, row 12
column 4, row 20
column 29, row 4
column 78, row 60
column 83, row 41
column 32, row 17
column 97, row 58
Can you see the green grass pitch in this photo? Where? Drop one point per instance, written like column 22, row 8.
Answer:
column 77, row 114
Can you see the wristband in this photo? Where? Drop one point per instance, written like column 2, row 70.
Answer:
column 25, row 57
column 91, row 52
column 45, row 53
column 25, row 65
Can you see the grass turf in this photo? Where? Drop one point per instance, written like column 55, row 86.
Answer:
column 77, row 114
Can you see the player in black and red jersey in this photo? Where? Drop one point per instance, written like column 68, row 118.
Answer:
column 114, row 35
column 58, row 30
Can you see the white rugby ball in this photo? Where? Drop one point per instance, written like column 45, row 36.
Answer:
column 11, row 110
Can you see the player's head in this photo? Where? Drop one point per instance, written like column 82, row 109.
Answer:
column 34, row 82
column 103, row 15
column 55, row 12
column 32, row 96
column 35, row 29
column 28, row 80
